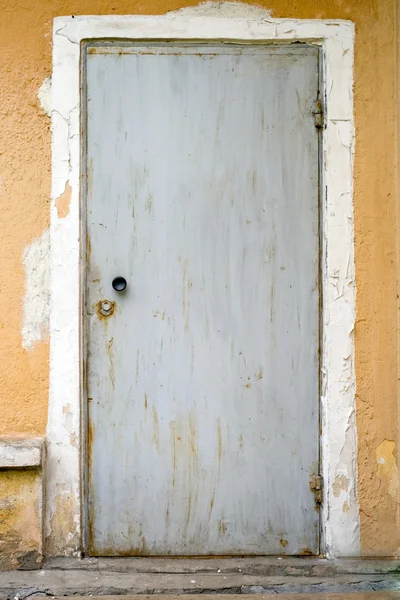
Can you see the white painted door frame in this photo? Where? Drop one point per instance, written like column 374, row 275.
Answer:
column 65, row 439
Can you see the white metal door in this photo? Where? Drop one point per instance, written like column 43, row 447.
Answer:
column 202, row 192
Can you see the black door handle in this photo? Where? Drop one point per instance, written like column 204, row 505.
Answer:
column 119, row 284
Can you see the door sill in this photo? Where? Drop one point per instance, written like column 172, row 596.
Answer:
column 232, row 577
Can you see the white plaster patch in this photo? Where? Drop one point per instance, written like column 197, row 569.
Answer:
column 44, row 96
column 36, row 260
column 224, row 9
column 21, row 453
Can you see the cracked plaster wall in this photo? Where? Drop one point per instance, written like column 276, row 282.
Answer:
column 25, row 170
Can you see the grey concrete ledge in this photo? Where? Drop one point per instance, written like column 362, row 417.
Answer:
column 317, row 596
column 21, row 453
column 260, row 566
column 18, row 585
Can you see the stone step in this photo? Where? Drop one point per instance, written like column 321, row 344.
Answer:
column 267, row 566
column 318, row 596
column 55, row 582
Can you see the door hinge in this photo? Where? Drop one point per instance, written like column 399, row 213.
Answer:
column 318, row 114
column 317, row 486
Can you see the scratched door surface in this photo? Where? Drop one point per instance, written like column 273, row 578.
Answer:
column 202, row 191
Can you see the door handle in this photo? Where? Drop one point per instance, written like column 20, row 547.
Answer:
column 119, row 284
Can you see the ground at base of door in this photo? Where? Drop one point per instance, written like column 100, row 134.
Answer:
column 377, row 595
column 230, row 577
column 382, row 595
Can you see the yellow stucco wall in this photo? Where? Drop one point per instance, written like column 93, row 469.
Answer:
column 25, row 169
column 20, row 519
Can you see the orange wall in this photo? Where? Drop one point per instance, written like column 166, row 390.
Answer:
column 25, row 169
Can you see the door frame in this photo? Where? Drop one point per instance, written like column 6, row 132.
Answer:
column 65, row 505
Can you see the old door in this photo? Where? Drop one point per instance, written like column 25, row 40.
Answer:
column 202, row 377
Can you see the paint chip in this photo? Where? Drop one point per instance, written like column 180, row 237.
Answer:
column 63, row 202
column 387, row 467
column 345, row 507
column 341, row 484
column 44, row 96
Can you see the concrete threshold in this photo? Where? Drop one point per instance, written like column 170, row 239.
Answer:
column 318, row 596
column 258, row 577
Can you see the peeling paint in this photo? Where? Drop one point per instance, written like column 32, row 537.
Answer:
column 341, row 484
column 235, row 10
column 37, row 292
column 387, row 467
column 341, row 519
column 62, row 523
column 63, row 202
column 44, row 96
